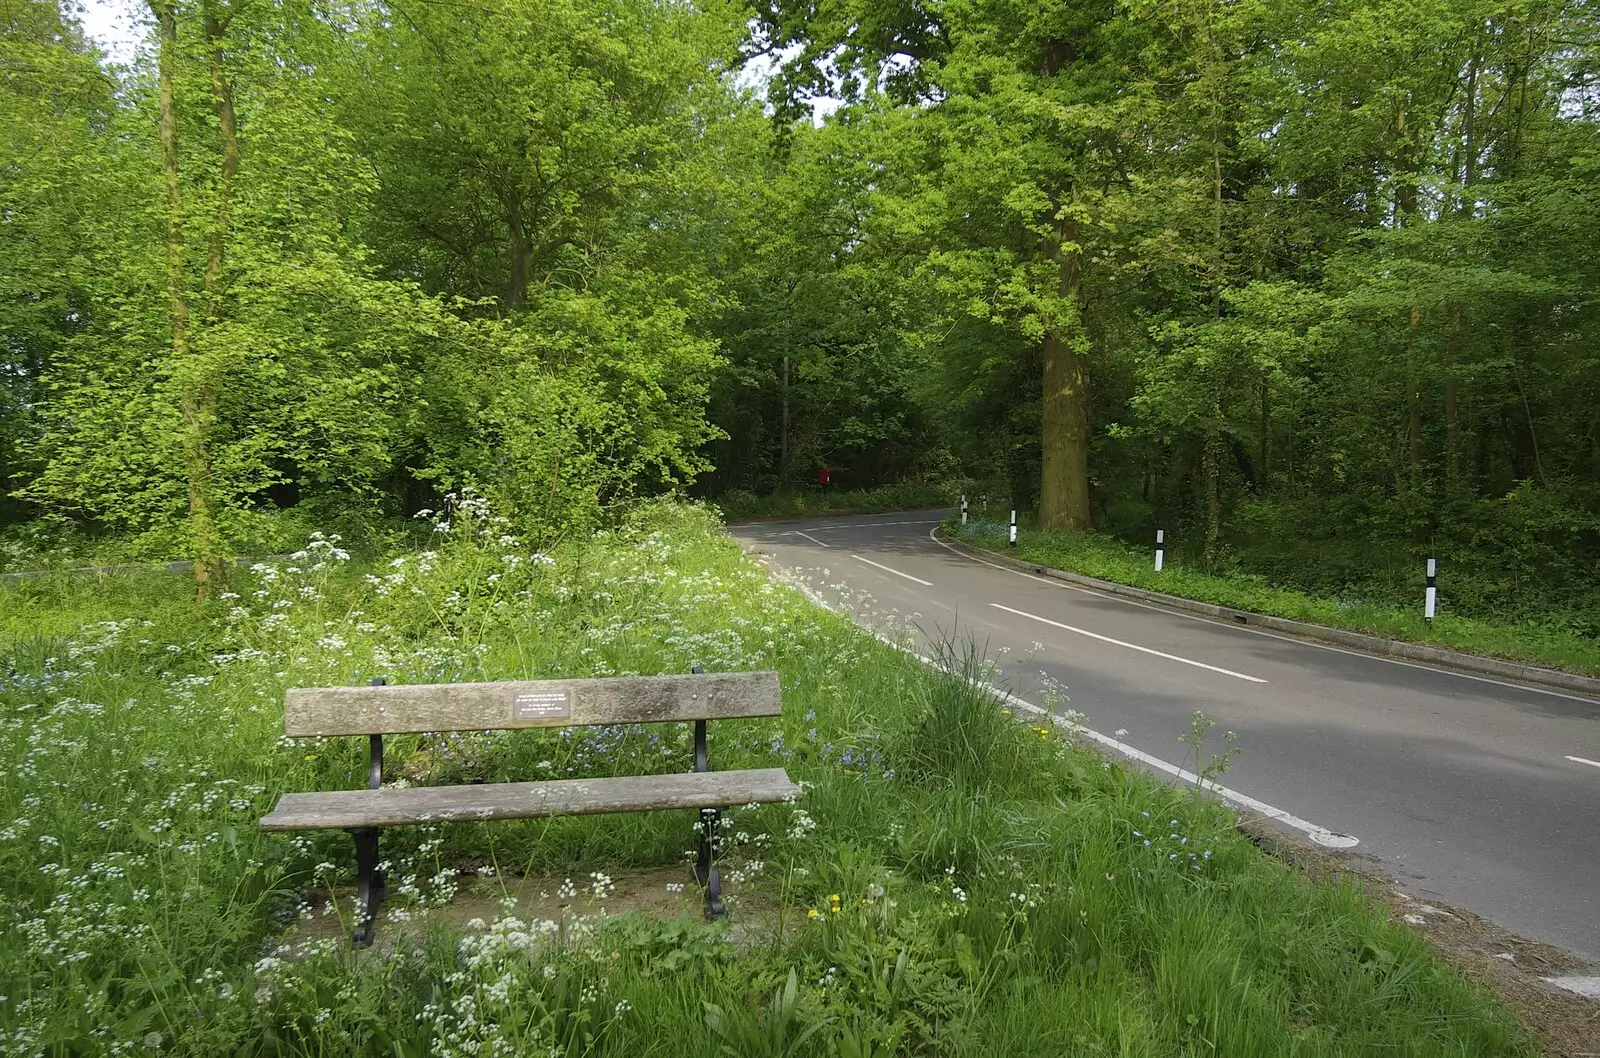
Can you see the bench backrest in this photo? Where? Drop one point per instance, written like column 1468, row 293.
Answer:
column 532, row 703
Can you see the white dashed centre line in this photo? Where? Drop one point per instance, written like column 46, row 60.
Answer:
column 1319, row 834
column 1130, row 646
column 1585, row 760
column 808, row 536
column 886, row 569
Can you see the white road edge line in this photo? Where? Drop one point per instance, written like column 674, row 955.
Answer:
column 1319, row 834
column 1583, row 986
column 886, row 569
column 808, row 536
column 1130, row 646
column 1007, row 569
column 1585, row 760
column 1260, row 632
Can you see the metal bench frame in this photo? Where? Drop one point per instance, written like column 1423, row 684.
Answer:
column 370, row 885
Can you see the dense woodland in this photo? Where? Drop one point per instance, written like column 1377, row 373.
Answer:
column 1312, row 286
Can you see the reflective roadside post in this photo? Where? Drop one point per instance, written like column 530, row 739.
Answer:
column 1431, row 599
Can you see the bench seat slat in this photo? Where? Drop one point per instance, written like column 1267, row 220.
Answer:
column 410, row 708
column 341, row 809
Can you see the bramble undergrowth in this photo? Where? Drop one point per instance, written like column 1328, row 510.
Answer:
column 950, row 884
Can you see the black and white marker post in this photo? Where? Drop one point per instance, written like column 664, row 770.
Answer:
column 963, row 512
column 1432, row 598
column 1013, row 528
column 985, row 498
column 1161, row 549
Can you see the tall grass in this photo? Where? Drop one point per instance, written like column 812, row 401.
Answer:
column 951, row 883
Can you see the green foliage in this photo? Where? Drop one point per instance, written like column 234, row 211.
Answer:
column 1556, row 640
column 740, row 504
column 393, row 296
column 583, row 403
column 1326, row 270
column 1333, row 282
column 921, row 915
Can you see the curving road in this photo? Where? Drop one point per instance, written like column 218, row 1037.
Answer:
column 1481, row 793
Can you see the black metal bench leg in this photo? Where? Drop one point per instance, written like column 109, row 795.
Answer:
column 369, row 886
column 705, row 869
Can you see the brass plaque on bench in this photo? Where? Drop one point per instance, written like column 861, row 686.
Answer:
column 542, row 705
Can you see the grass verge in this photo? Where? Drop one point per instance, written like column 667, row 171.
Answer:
column 1096, row 555
column 952, row 883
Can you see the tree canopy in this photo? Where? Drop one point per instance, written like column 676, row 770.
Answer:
column 1297, row 279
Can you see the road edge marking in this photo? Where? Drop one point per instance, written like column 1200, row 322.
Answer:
column 886, row 569
column 1130, row 646
column 1321, row 835
column 1296, row 640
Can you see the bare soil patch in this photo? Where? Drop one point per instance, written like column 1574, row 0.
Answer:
column 572, row 902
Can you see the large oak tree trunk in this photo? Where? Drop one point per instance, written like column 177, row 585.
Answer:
column 1064, row 488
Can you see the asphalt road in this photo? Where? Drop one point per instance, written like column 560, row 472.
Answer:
column 1461, row 787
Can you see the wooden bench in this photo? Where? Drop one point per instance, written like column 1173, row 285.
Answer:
column 381, row 710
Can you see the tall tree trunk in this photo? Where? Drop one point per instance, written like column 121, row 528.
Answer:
column 783, row 444
column 166, row 95
column 1533, row 433
column 1064, row 484
column 227, row 123
column 1413, row 405
column 1211, row 467
column 1469, row 146
column 1466, row 208
column 1405, row 190
column 1266, row 435
column 517, row 285
column 1414, row 431
column 1288, row 446
column 205, row 539
column 1452, row 433
column 201, row 399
